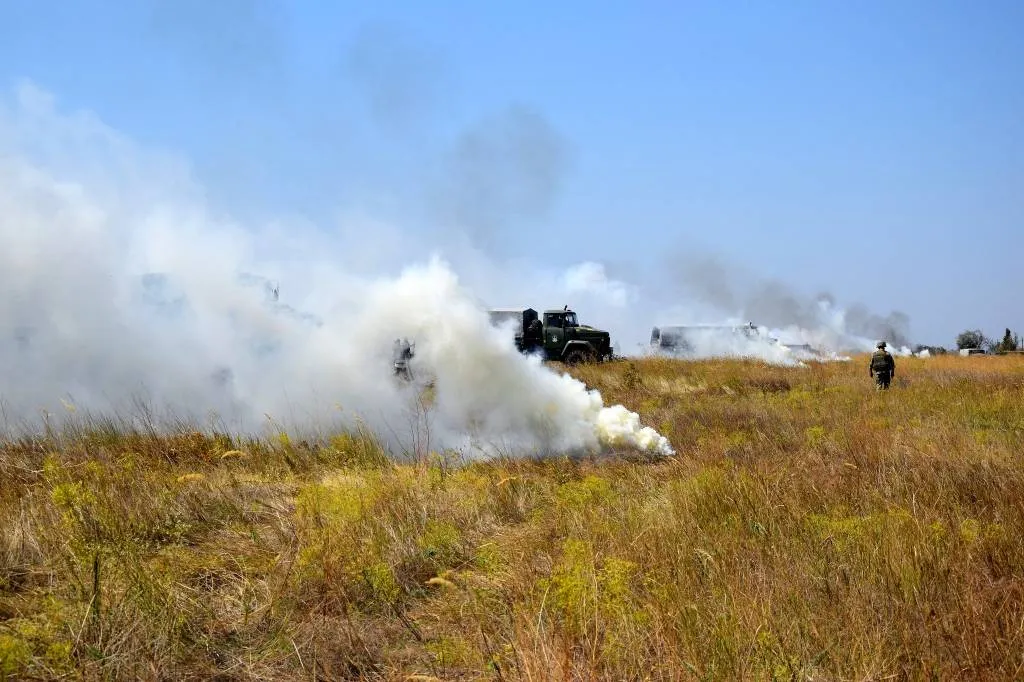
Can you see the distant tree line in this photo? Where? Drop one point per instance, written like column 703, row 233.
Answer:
column 974, row 338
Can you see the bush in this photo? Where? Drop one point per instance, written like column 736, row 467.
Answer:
column 970, row 339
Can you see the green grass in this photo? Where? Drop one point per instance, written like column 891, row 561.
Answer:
column 809, row 528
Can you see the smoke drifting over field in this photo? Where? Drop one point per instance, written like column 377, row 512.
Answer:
column 730, row 295
column 503, row 171
column 123, row 289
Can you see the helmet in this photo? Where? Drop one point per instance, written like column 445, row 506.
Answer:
column 880, row 344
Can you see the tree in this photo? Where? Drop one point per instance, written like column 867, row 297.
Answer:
column 1010, row 342
column 970, row 339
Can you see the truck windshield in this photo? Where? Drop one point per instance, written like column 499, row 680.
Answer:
column 570, row 320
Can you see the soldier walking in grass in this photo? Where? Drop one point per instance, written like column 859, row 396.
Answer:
column 882, row 367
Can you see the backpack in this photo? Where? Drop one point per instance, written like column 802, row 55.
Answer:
column 880, row 361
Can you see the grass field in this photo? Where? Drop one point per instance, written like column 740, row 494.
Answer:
column 809, row 528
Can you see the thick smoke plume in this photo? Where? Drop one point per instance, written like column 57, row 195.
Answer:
column 400, row 80
column 123, row 291
column 505, row 170
column 795, row 327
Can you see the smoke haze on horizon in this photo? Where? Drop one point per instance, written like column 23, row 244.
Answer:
column 88, row 215
column 792, row 157
column 334, row 152
column 742, row 295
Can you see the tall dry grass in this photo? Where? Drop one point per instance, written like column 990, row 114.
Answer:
column 809, row 528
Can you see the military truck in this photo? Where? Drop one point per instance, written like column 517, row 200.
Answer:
column 682, row 338
column 556, row 334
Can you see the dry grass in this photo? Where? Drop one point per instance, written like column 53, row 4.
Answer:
column 810, row 528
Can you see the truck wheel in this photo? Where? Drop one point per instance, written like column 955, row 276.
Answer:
column 577, row 356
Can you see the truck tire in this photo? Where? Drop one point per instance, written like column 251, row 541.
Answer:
column 578, row 356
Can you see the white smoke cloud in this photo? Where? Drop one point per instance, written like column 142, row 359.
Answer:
column 705, row 291
column 591, row 278
column 600, row 300
column 123, row 287
column 831, row 335
column 728, row 340
column 788, row 346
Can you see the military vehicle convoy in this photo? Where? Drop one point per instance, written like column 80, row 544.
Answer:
column 556, row 334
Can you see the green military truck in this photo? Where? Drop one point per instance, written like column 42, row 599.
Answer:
column 557, row 335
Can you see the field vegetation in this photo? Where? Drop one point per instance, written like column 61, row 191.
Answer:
column 809, row 527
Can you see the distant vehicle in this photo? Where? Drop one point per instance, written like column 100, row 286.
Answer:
column 972, row 351
column 681, row 338
column 557, row 335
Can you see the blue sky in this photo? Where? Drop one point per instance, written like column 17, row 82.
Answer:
column 874, row 150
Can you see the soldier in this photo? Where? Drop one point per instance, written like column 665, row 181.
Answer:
column 534, row 337
column 882, row 367
column 403, row 352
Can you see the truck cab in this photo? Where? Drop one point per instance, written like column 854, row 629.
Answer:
column 558, row 326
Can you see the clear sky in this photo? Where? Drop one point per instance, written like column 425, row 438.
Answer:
column 871, row 149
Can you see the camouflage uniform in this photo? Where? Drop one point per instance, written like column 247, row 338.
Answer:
column 403, row 352
column 882, row 367
column 534, row 336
